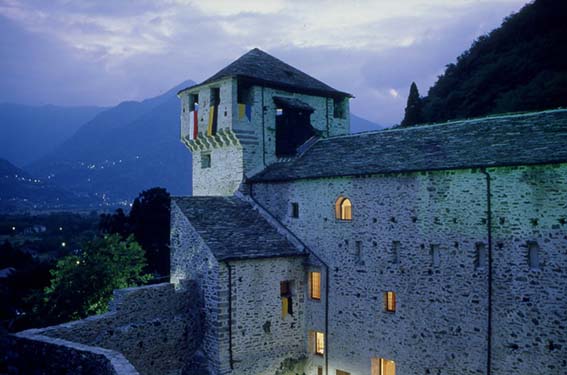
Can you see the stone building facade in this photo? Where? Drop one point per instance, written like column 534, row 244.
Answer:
column 450, row 258
column 435, row 249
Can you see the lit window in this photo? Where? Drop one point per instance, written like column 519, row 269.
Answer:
column 390, row 301
column 279, row 111
column 295, row 210
column 315, row 285
column 285, row 294
column 319, row 343
column 343, row 209
column 381, row 366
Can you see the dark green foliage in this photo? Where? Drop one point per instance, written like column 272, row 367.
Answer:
column 413, row 108
column 521, row 66
column 148, row 221
column 82, row 285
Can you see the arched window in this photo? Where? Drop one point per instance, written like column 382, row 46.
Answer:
column 343, row 209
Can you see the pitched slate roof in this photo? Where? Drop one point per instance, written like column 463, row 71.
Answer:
column 233, row 229
column 521, row 139
column 262, row 68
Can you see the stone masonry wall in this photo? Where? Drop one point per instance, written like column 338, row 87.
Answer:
column 436, row 223
column 261, row 337
column 191, row 259
column 258, row 136
column 30, row 352
column 153, row 326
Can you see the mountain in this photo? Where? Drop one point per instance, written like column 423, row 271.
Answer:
column 520, row 66
column 29, row 132
column 359, row 124
column 122, row 151
column 21, row 192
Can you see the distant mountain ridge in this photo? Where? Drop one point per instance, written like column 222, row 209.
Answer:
column 125, row 149
column 31, row 132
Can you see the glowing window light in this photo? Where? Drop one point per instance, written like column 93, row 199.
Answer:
column 315, row 285
column 381, row 366
column 343, row 209
column 390, row 301
column 319, row 343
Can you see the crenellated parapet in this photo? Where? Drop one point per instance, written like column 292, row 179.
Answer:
column 223, row 138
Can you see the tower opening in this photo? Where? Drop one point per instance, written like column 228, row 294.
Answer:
column 293, row 125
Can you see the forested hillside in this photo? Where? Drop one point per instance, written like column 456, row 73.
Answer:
column 521, row 66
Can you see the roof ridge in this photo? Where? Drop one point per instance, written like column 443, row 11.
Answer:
column 450, row 122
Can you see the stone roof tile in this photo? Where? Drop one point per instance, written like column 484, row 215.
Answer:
column 233, row 229
column 519, row 139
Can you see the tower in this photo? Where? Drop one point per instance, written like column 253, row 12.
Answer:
column 255, row 112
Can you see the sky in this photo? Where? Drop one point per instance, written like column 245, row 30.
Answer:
column 87, row 52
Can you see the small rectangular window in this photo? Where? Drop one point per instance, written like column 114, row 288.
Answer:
column 390, row 301
column 319, row 343
column 339, row 108
column 381, row 366
column 205, row 161
column 395, row 252
column 533, row 255
column 193, row 102
column 435, row 256
column 319, row 370
column 286, row 298
column 295, row 210
column 215, row 96
column 480, row 259
column 279, row 111
column 244, row 93
column 358, row 252
column 315, row 285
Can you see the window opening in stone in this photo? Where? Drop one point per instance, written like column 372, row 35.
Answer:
column 286, row 298
column 213, row 112
column 315, row 285
column 396, row 252
column 480, row 259
column 205, row 160
column 341, row 372
column 358, row 252
column 319, row 370
column 533, row 255
column 193, row 102
column 319, row 347
column 293, row 125
column 381, row 366
column 339, row 108
column 343, row 209
column 390, row 301
column 435, row 255
column 295, row 210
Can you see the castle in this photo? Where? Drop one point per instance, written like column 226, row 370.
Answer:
column 435, row 249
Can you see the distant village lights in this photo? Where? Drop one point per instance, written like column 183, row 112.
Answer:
column 63, row 244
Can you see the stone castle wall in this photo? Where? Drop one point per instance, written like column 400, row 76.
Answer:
column 421, row 235
column 152, row 328
column 261, row 337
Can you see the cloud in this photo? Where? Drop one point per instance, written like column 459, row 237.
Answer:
column 102, row 52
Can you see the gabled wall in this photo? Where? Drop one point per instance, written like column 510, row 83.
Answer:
column 441, row 320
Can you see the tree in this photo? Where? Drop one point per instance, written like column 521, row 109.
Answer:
column 149, row 221
column 82, row 285
column 413, row 107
